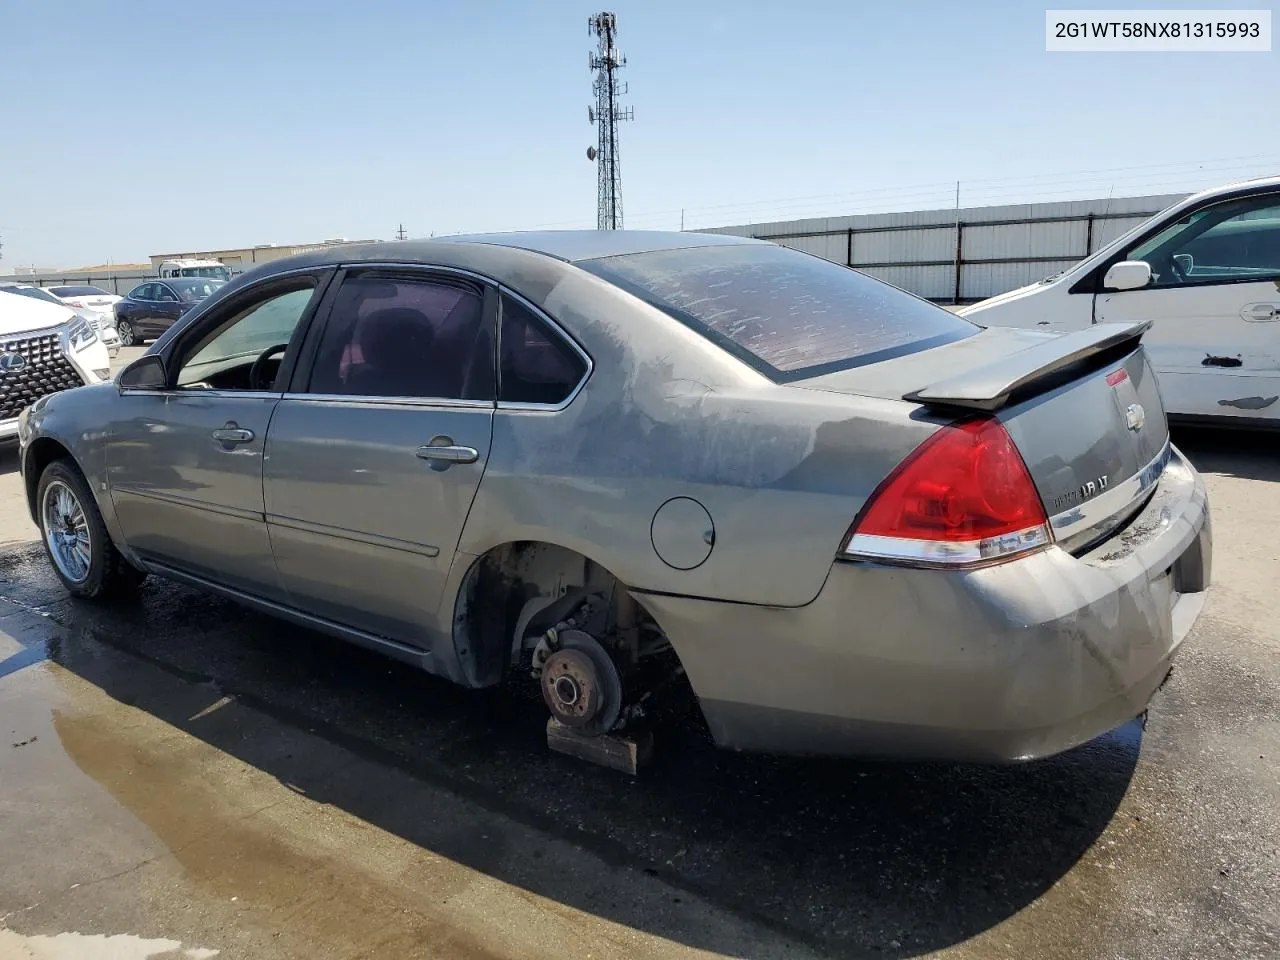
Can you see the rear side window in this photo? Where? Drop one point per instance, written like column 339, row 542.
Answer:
column 406, row 337
column 537, row 365
column 788, row 314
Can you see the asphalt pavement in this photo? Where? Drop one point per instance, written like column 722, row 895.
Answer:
column 183, row 778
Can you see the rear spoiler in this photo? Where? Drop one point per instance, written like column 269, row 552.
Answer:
column 1033, row 370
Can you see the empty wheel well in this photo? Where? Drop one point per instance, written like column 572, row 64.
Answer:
column 42, row 452
column 516, row 592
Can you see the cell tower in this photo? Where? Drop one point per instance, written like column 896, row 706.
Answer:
column 606, row 114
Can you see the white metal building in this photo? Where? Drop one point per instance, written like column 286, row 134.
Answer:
column 967, row 254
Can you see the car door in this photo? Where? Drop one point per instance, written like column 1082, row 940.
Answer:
column 133, row 307
column 184, row 462
column 374, row 456
column 165, row 311
column 1214, row 303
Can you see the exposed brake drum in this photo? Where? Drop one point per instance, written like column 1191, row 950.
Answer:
column 581, row 684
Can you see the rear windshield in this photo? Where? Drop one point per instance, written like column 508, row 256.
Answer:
column 79, row 292
column 788, row 314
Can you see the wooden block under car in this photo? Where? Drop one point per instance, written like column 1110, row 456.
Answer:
column 627, row 754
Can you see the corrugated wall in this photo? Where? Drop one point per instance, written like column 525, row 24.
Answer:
column 996, row 248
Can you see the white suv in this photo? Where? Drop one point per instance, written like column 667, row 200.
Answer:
column 44, row 348
column 104, row 323
column 1206, row 274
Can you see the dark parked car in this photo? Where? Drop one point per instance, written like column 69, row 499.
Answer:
column 151, row 308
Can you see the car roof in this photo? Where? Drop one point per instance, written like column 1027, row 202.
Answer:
column 531, row 263
column 574, row 245
column 498, row 249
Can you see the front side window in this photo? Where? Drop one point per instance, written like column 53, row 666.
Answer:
column 224, row 358
column 406, row 337
column 1232, row 241
column 536, row 364
column 788, row 314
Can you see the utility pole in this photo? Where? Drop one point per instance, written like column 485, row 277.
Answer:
column 606, row 114
column 401, row 234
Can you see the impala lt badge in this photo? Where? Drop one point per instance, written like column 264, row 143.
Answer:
column 1135, row 416
column 1093, row 487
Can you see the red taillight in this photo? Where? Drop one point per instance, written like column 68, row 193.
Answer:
column 963, row 497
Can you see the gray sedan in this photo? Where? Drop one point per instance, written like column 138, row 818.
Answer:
column 857, row 523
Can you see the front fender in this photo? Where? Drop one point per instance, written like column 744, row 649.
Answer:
column 77, row 421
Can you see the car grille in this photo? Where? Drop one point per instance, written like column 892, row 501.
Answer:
column 47, row 370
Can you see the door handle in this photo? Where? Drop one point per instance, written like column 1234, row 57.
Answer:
column 230, row 433
column 448, row 454
column 1261, row 312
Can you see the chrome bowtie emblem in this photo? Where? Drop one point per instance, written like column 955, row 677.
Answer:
column 1135, row 416
column 12, row 362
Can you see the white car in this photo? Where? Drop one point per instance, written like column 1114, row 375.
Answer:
column 95, row 300
column 103, row 323
column 44, row 348
column 1206, row 274
column 209, row 269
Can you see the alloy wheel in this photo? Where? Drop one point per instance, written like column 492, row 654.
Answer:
column 66, row 531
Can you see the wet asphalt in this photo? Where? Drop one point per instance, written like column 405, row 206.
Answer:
column 1161, row 839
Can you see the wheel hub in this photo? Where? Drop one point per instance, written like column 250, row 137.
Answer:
column 581, row 685
column 571, row 687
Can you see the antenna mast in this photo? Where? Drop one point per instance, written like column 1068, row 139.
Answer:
column 606, row 115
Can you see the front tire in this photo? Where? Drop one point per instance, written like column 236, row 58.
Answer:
column 124, row 329
column 76, row 540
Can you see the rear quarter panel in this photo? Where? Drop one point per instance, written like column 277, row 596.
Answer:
column 781, row 471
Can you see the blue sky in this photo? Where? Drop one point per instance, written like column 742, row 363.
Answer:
column 139, row 127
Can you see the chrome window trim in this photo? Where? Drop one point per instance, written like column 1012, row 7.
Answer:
column 559, row 331
column 439, row 402
column 189, row 392
column 1114, row 504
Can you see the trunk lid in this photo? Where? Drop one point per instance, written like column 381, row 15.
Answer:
column 1083, row 409
column 96, row 304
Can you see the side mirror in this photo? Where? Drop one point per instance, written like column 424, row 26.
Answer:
column 145, row 373
column 1128, row 275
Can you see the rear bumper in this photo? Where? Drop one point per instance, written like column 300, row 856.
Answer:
column 1012, row 662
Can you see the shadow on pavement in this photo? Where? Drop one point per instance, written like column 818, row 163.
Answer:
column 856, row 859
column 1250, row 455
